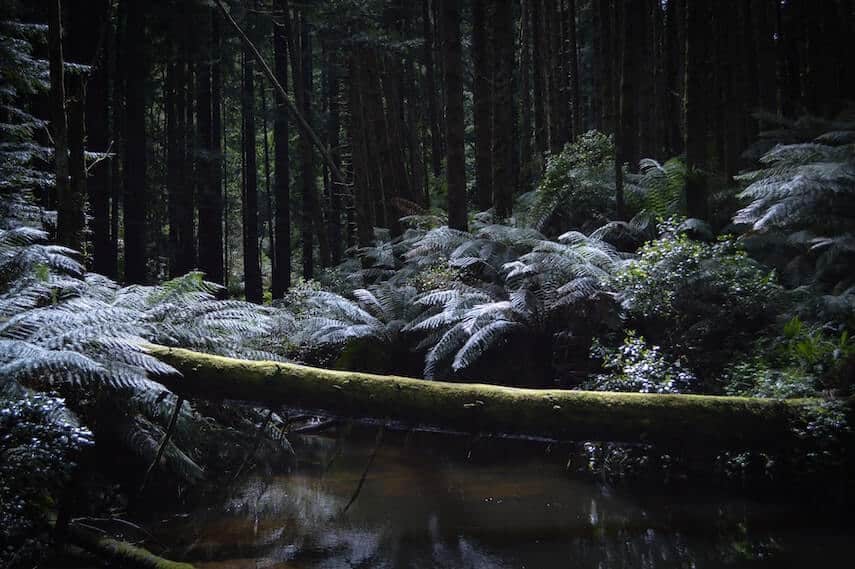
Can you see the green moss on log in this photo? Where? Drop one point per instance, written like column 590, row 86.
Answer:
column 490, row 409
column 120, row 553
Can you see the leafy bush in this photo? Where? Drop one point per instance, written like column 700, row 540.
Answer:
column 636, row 366
column 799, row 362
column 40, row 441
column 698, row 300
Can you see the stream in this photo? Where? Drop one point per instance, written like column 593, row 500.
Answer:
column 439, row 501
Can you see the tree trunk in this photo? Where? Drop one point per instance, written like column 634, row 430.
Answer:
column 209, row 123
column 334, row 142
column 281, row 278
column 541, row 128
column 307, row 170
column 482, row 104
column 697, row 105
column 632, row 17
column 503, row 117
column 134, row 199
column 454, row 119
column 525, row 97
column 726, row 422
column 571, row 50
column 430, row 87
column 251, row 256
column 63, row 202
column 74, row 203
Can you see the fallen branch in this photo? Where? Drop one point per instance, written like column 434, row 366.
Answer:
column 553, row 414
column 120, row 553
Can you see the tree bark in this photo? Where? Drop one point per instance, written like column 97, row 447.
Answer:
column 251, row 255
column 525, row 97
column 430, row 86
column 482, row 104
column 632, row 17
column 454, row 119
column 210, row 124
column 281, row 278
column 697, row 105
column 72, row 230
column 59, row 127
column 504, row 131
column 727, row 422
column 135, row 199
column 571, row 56
column 541, row 128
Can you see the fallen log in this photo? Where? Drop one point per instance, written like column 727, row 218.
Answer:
column 674, row 420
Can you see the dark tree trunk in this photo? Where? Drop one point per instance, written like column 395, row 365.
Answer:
column 67, row 223
column 541, row 128
column 134, row 198
column 482, row 104
column 672, row 92
column 631, row 67
column 571, row 49
column 334, row 144
column 307, row 166
column 89, row 40
column 697, row 105
column 454, row 119
column 525, row 97
column 608, row 65
column 764, row 17
column 357, row 131
column 430, row 84
column 209, row 123
column 251, row 255
column 281, row 278
column 503, row 119
column 555, row 76
column 75, row 202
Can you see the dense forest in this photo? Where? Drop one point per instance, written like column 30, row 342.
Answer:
column 627, row 227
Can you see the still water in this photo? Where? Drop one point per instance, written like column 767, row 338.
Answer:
column 436, row 501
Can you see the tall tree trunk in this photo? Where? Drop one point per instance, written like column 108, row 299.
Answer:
column 75, row 202
column 609, row 65
column 571, row 50
column 268, row 193
column 89, row 40
column 134, row 199
column 525, row 97
column 697, row 105
column 357, row 131
column 209, row 124
column 307, row 167
column 454, row 119
column 334, row 142
column 482, row 104
column 281, row 278
column 251, row 255
column 503, row 118
column 764, row 17
column 674, row 51
column 430, row 85
column 541, row 128
column 632, row 16
column 555, row 77
column 66, row 222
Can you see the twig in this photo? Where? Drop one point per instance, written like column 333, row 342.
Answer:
column 173, row 420
column 362, row 478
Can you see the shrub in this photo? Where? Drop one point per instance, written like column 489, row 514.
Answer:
column 636, row 366
column 698, row 300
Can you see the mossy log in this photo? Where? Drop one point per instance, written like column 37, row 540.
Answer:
column 120, row 553
column 733, row 422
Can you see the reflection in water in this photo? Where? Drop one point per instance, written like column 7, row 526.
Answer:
column 424, row 504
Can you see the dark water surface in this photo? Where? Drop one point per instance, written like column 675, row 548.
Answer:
column 439, row 501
